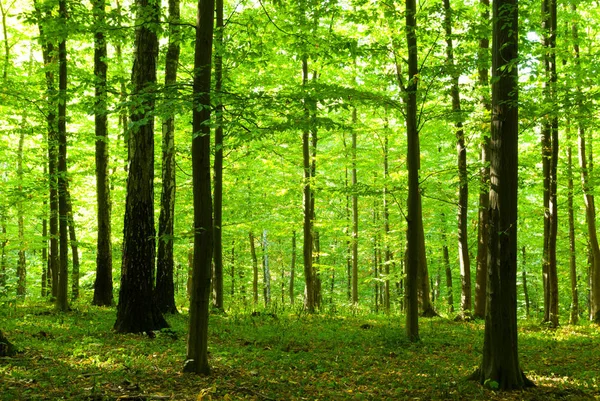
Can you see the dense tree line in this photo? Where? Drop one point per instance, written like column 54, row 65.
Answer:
column 359, row 127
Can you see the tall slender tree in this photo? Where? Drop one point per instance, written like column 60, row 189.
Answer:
column 500, row 366
column 165, row 291
column 197, row 343
column 137, row 310
column 62, row 303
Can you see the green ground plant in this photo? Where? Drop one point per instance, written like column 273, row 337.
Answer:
column 284, row 356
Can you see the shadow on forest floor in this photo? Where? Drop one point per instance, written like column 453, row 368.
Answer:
column 76, row 356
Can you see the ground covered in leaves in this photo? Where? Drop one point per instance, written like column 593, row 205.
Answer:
column 283, row 356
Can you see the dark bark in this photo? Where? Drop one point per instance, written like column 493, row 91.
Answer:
column 165, row 290
column 218, row 163
column 6, row 347
column 232, row 269
column 62, row 303
column 500, row 364
column 448, row 269
column 137, row 310
column 254, row 269
column 484, row 174
column 197, row 349
column 524, row 282
column 414, row 217
column 463, row 187
column 103, row 284
column 266, row 270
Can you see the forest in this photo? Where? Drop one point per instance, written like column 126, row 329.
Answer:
column 260, row 199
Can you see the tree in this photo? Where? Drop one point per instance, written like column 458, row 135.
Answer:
column 103, row 284
column 6, row 347
column 164, row 291
column 137, row 310
column 549, row 163
column 463, row 186
column 354, row 214
column 500, row 364
column 414, row 217
column 63, row 206
column 197, row 343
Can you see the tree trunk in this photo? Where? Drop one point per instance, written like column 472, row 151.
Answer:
column 62, row 303
column 218, row 164
column 48, row 54
column 463, row 188
column 165, row 291
column 3, row 243
column 44, row 289
column 588, row 190
column 254, row 269
column 22, row 263
column 74, row 249
column 197, row 350
column 414, row 217
column 386, row 225
column 6, row 347
column 446, row 258
column 293, row 268
column 574, row 310
column 549, row 162
column 500, row 364
column 266, row 270
column 484, row 175
column 354, row 214
column 232, row 270
column 103, row 284
column 309, row 301
column 137, row 310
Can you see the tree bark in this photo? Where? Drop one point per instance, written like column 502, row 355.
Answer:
column 62, row 303
column 414, row 217
column 293, row 268
column 386, row 224
column 354, row 214
column 22, row 262
column 524, row 281
column 254, row 269
column 197, row 350
column 574, row 310
column 500, row 364
column 549, row 162
column 309, row 300
column 484, row 175
column 448, row 269
column 588, row 188
column 6, row 347
column 463, row 188
column 137, row 310
column 218, row 163
column 165, row 291
column 266, row 270
column 74, row 248
column 103, row 284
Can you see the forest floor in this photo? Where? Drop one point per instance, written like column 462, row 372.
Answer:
column 288, row 356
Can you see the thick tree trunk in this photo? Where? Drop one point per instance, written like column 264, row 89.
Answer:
column 137, row 310
column 218, row 163
column 62, row 303
column 197, row 350
column 254, row 269
column 484, row 175
column 500, row 366
column 574, row 310
column 588, row 191
column 414, row 218
column 165, row 291
column 103, row 284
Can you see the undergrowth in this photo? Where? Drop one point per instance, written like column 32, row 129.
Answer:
column 281, row 356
